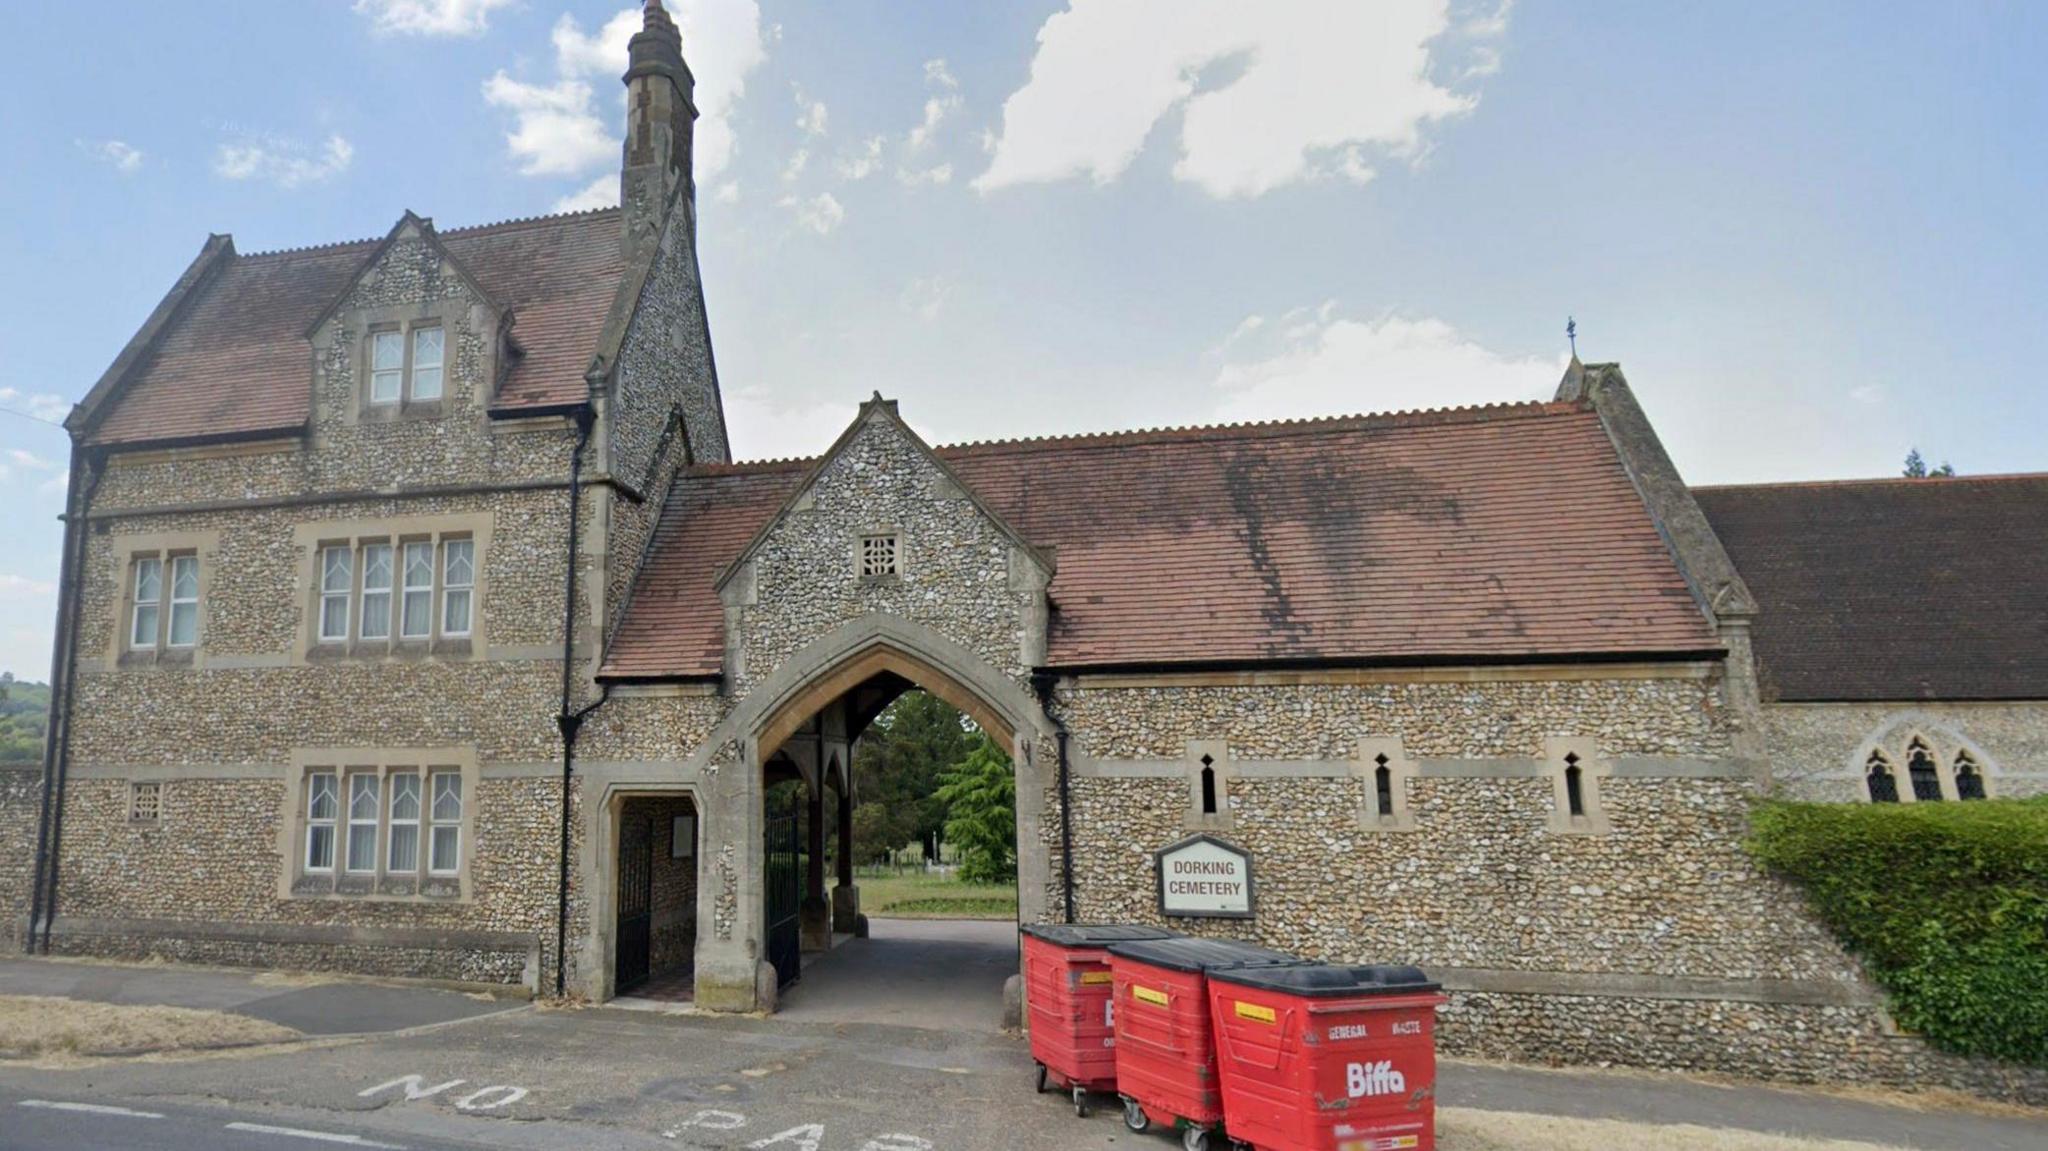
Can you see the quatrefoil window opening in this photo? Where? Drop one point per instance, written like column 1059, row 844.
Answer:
column 880, row 555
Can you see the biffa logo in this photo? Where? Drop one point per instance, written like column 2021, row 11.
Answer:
column 1361, row 1079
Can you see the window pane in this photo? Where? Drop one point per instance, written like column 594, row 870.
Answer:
column 320, row 848
column 447, row 854
column 405, row 847
column 387, row 350
column 426, row 384
column 405, row 796
column 149, row 586
column 362, row 847
column 426, row 364
column 376, row 591
column 184, row 624
column 145, row 625
column 362, row 798
column 185, row 577
column 455, row 613
column 376, row 567
column 334, row 569
column 320, row 797
column 418, row 607
column 447, row 797
column 458, row 566
column 376, row 615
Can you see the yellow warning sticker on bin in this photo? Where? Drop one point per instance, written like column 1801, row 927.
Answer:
column 1255, row 1011
column 1095, row 977
column 1148, row 995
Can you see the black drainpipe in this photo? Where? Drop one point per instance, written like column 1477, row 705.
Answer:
column 570, row 722
column 57, row 737
column 1041, row 682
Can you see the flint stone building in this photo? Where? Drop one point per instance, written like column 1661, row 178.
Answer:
column 415, row 621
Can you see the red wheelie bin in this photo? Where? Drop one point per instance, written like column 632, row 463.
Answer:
column 1067, row 995
column 1327, row 1058
column 1165, row 1060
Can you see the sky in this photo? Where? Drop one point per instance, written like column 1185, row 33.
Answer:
column 1812, row 234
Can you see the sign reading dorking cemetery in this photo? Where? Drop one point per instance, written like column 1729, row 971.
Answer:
column 1204, row 877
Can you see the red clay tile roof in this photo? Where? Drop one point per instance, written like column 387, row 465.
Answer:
column 237, row 360
column 1894, row 589
column 1485, row 535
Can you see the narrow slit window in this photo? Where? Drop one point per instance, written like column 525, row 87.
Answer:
column 426, row 363
column 458, row 579
column 362, row 822
column 149, row 594
column 405, row 823
column 184, row 601
column 1878, row 778
column 1921, row 771
column 321, row 807
column 1383, row 786
column 1574, row 785
column 377, row 591
column 416, row 620
column 1969, row 778
column 337, row 581
column 445, row 848
column 1208, row 786
column 387, row 366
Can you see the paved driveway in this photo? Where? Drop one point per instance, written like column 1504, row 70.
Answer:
column 942, row 974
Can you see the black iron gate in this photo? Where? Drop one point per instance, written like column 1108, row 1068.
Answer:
column 636, row 903
column 784, row 897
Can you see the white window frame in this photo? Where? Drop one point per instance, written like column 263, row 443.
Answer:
column 396, row 374
column 450, row 588
column 329, row 823
column 332, row 597
column 154, row 604
column 384, row 591
column 394, row 822
column 188, row 562
column 414, row 368
column 408, row 589
column 437, row 822
column 374, row 822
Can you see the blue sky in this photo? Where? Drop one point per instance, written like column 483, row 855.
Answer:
column 1813, row 234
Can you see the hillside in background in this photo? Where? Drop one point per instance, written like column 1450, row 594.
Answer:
column 24, row 710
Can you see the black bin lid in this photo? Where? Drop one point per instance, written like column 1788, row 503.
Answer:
column 1192, row 954
column 1092, row 934
column 1333, row 981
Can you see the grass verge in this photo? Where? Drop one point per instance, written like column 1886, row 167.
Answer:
column 34, row 1026
column 916, row 895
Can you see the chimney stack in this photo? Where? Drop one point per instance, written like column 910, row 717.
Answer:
column 661, row 112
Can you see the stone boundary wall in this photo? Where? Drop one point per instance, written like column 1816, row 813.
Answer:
column 21, row 791
column 447, row 956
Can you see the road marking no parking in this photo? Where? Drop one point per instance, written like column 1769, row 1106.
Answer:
column 89, row 1108
column 321, row 1136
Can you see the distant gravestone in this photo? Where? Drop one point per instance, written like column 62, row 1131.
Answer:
column 1203, row 877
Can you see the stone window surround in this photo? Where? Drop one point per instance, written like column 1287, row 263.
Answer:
column 145, row 802
column 1592, row 769
column 159, row 545
column 1363, row 767
column 295, row 882
column 365, row 323
column 902, row 556
column 1400, row 769
column 1893, row 743
column 311, row 537
column 1217, row 754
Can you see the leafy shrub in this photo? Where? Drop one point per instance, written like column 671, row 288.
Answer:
column 980, row 794
column 1946, row 903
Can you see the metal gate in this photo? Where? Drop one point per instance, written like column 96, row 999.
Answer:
column 636, row 904
column 784, row 897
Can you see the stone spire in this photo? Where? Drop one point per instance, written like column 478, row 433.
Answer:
column 661, row 112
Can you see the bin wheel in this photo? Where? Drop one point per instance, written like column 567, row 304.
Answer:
column 1194, row 1139
column 1135, row 1117
column 1080, row 1102
column 1041, row 1079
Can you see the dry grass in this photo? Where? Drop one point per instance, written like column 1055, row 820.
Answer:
column 35, row 1027
column 1463, row 1129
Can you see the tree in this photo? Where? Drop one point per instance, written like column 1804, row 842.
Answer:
column 898, row 761
column 24, row 709
column 980, row 794
column 1916, row 468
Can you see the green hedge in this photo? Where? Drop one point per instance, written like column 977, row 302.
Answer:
column 1947, row 904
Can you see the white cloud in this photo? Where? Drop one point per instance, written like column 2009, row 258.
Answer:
column 797, row 160
column 728, row 192
column 430, row 17
column 41, row 405
column 936, row 174
column 1867, row 394
column 812, row 115
column 925, row 297
column 938, row 107
column 15, row 461
column 119, row 155
column 602, row 192
column 30, row 607
column 1314, row 362
column 762, row 428
column 821, row 213
column 554, row 131
column 722, row 43
column 283, row 162
column 1269, row 94
column 863, row 162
